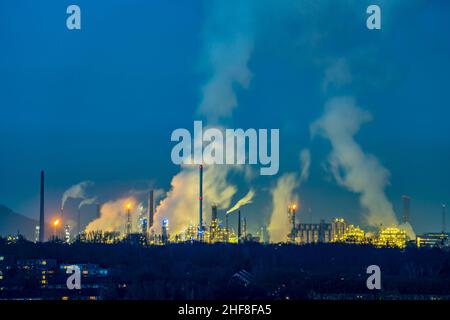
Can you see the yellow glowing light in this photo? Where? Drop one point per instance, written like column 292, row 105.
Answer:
column 391, row 237
column 294, row 206
column 56, row 222
column 128, row 205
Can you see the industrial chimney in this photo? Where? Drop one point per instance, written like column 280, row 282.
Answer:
column 200, row 198
column 226, row 227
column 41, row 212
column 239, row 226
column 213, row 212
column 245, row 229
column 151, row 209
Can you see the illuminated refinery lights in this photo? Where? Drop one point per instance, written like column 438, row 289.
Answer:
column 128, row 225
column 55, row 224
column 354, row 235
column 338, row 229
column 391, row 237
column 291, row 214
column 430, row 240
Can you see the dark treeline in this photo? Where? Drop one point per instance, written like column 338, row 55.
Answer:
column 200, row 271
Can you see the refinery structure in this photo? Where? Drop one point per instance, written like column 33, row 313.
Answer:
column 221, row 230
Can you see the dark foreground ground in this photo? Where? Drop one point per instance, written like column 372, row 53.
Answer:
column 198, row 271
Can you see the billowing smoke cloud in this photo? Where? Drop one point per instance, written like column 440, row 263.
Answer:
column 113, row 216
column 181, row 206
column 112, row 213
column 247, row 199
column 351, row 167
column 228, row 42
column 77, row 191
column 87, row 201
column 282, row 196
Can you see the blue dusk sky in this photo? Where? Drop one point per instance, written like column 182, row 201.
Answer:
column 100, row 103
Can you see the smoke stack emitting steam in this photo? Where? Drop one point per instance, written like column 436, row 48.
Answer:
column 150, row 209
column 239, row 226
column 200, row 199
column 77, row 191
column 247, row 199
column 180, row 202
column 113, row 216
column 282, row 195
column 351, row 167
column 229, row 44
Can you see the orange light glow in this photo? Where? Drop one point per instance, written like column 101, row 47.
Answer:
column 56, row 222
column 129, row 206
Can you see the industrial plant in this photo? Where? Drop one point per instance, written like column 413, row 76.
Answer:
column 227, row 228
column 217, row 257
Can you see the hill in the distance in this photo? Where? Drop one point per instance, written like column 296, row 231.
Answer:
column 11, row 223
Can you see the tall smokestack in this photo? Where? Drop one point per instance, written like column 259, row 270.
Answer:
column 239, row 226
column 406, row 202
column 41, row 212
column 226, row 227
column 214, row 212
column 151, row 209
column 200, row 198
column 245, row 228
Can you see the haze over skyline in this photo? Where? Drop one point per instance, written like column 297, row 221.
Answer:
column 100, row 104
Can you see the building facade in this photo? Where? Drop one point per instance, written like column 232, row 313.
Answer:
column 313, row 232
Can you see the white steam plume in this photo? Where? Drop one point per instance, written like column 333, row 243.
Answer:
column 351, row 167
column 228, row 42
column 242, row 202
column 87, row 201
column 282, row 196
column 113, row 216
column 181, row 206
column 77, row 191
